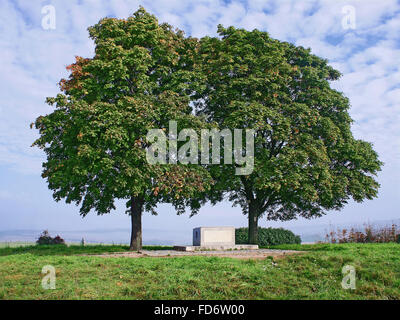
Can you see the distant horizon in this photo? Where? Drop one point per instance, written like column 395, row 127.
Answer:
column 314, row 233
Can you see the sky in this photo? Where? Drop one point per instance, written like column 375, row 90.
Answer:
column 38, row 39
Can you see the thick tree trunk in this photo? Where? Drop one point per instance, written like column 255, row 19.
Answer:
column 136, row 220
column 253, row 225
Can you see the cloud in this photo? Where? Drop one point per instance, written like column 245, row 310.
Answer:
column 33, row 60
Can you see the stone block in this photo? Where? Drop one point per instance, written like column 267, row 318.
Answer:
column 214, row 236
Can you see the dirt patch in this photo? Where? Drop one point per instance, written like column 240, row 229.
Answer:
column 236, row 254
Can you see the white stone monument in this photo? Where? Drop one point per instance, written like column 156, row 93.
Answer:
column 214, row 238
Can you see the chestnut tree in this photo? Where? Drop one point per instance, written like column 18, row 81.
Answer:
column 140, row 77
column 306, row 160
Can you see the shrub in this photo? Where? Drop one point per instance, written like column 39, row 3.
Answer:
column 45, row 238
column 370, row 234
column 268, row 236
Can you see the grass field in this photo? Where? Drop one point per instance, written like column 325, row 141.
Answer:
column 316, row 274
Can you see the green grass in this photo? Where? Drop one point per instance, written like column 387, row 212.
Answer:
column 315, row 274
column 50, row 250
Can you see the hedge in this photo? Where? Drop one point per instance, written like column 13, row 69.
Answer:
column 268, row 236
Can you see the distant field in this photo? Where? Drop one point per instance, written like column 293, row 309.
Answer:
column 14, row 244
column 316, row 274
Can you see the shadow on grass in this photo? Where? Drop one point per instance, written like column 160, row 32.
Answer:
column 63, row 250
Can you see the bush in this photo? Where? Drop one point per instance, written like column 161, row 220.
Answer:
column 370, row 234
column 45, row 238
column 268, row 236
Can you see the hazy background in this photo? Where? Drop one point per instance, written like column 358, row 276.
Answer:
column 33, row 60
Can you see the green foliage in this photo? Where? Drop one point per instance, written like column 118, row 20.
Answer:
column 95, row 139
column 268, row 236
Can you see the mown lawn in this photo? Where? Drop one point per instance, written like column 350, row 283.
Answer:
column 316, row 274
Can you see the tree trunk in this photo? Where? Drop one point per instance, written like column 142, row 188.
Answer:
column 136, row 220
column 253, row 225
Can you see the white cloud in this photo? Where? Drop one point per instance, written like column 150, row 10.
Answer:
column 33, row 60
